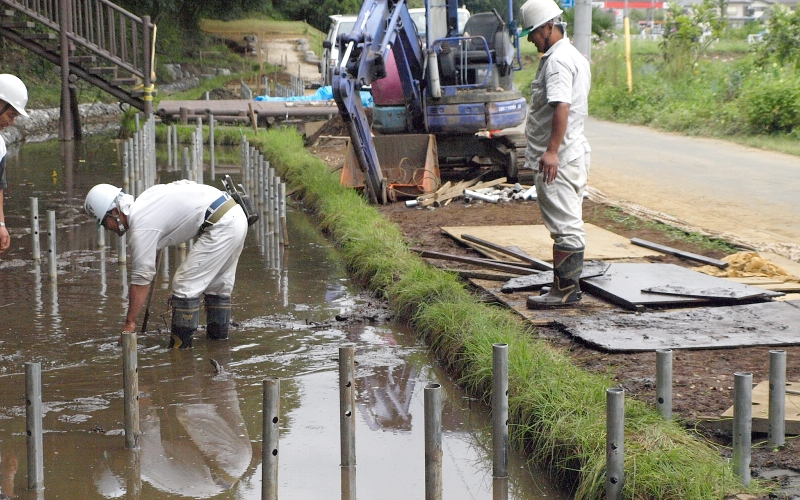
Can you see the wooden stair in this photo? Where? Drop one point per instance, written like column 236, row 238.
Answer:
column 108, row 47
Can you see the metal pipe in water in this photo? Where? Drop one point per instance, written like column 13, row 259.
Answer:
column 347, row 421
column 122, row 249
column 777, row 398
column 269, row 441
column 499, row 410
column 664, row 383
column 615, row 442
column 742, row 424
column 499, row 421
column 35, row 249
column 130, row 381
column 433, row 442
column 33, row 425
column 51, row 243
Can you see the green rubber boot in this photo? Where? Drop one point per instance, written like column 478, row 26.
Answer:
column 218, row 316
column 185, row 317
column 566, row 289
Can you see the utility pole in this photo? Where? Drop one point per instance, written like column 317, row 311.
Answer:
column 583, row 28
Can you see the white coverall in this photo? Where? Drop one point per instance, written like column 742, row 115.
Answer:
column 563, row 75
column 170, row 214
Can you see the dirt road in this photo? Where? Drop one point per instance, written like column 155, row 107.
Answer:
column 718, row 186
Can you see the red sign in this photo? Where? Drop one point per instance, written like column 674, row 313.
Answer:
column 634, row 5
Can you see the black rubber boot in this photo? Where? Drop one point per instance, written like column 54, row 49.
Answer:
column 218, row 316
column 185, row 317
column 566, row 289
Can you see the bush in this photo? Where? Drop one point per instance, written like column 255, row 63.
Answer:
column 771, row 101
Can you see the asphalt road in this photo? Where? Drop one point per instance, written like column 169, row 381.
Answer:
column 714, row 185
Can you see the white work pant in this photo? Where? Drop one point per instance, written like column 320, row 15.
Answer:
column 210, row 266
column 561, row 203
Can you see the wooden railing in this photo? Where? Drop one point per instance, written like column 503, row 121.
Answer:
column 100, row 26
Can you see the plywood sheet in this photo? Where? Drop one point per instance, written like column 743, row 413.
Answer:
column 763, row 324
column 535, row 240
column 761, row 406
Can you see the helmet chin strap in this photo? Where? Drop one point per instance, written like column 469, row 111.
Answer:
column 121, row 227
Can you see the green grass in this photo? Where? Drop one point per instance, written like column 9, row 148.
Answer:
column 557, row 411
column 632, row 223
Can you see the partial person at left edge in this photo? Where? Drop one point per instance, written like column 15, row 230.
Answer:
column 13, row 98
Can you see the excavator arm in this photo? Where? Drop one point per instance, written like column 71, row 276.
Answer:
column 382, row 25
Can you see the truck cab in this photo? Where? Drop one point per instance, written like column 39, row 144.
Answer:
column 330, row 51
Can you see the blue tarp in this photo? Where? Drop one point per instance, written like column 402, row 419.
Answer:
column 322, row 94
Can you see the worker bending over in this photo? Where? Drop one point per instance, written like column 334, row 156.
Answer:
column 557, row 148
column 167, row 215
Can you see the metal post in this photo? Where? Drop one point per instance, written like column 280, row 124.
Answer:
column 664, row 383
column 269, row 440
column 199, row 150
column 347, row 421
column 33, row 425
column 122, row 249
column 211, row 140
column 282, row 202
column 186, row 165
column 499, row 420
column 777, row 398
column 433, row 442
column 35, row 249
column 742, row 424
column 175, row 147
column 615, row 442
column 130, row 381
column 101, row 237
column 51, row 243
column 169, row 147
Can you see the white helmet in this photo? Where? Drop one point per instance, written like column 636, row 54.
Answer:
column 14, row 92
column 101, row 199
column 535, row 13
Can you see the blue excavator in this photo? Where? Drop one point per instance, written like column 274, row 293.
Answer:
column 449, row 97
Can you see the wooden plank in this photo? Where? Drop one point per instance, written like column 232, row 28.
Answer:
column 472, row 260
column 481, row 274
column 535, row 241
column 588, row 305
column 764, row 324
column 761, row 407
column 519, row 254
column 768, row 283
column 679, row 253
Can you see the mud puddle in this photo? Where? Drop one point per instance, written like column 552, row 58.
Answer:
column 202, row 425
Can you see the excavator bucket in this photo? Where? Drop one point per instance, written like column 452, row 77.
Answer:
column 409, row 163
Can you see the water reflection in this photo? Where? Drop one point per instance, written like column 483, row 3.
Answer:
column 197, row 444
column 384, row 397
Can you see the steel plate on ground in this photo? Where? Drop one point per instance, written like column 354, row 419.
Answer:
column 764, row 324
column 623, row 284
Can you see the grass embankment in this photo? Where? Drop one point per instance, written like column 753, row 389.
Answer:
column 557, row 411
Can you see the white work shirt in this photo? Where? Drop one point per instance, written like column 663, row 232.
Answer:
column 165, row 215
column 563, row 75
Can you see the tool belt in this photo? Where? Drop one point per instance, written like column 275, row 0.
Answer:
column 216, row 210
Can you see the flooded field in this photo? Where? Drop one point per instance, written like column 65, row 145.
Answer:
column 202, row 429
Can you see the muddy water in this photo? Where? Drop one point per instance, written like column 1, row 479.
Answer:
column 202, row 429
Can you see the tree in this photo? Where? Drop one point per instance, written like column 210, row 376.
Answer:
column 782, row 40
column 688, row 35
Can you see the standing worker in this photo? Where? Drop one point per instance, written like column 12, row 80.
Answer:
column 167, row 215
column 557, row 148
column 13, row 98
